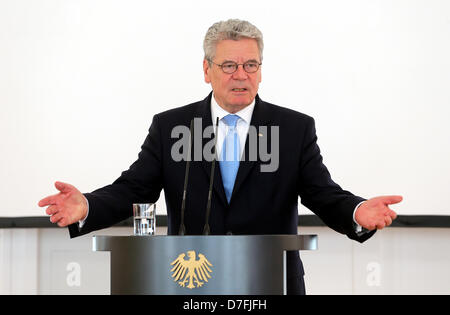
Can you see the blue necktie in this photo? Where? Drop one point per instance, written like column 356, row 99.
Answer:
column 229, row 158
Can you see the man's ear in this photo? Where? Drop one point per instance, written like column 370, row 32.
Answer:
column 206, row 70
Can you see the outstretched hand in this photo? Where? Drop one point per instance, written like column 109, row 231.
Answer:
column 66, row 207
column 375, row 213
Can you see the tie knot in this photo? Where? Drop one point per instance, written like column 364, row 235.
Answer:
column 231, row 120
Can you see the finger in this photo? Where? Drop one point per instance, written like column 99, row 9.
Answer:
column 56, row 217
column 63, row 187
column 390, row 200
column 392, row 214
column 381, row 225
column 388, row 221
column 51, row 210
column 62, row 222
column 50, row 200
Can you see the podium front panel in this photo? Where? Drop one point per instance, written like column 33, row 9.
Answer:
column 200, row 265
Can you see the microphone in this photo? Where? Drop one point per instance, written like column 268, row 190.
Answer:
column 182, row 230
column 206, row 230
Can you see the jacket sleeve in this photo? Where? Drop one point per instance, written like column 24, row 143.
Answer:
column 319, row 193
column 141, row 183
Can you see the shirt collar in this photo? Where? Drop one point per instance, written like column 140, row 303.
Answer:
column 245, row 113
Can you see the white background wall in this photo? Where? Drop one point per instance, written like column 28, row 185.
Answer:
column 80, row 81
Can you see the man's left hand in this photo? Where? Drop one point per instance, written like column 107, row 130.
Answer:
column 375, row 213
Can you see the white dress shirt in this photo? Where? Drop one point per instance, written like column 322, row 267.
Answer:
column 242, row 125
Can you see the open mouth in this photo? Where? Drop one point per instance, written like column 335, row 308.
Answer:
column 239, row 90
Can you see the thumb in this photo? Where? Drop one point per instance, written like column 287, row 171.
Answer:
column 63, row 187
column 389, row 200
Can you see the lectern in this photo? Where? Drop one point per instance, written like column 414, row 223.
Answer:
column 201, row 265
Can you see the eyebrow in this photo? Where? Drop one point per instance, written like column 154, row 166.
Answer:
column 250, row 60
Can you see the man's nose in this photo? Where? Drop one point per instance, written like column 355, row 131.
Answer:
column 240, row 73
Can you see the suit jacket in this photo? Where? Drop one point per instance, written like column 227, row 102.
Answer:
column 261, row 202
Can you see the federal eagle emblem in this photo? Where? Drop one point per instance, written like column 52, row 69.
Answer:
column 191, row 271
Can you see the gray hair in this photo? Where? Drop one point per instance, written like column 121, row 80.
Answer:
column 231, row 29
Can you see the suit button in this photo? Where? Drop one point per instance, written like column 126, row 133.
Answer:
column 229, row 233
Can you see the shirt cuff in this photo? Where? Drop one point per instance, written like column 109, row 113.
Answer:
column 358, row 228
column 82, row 221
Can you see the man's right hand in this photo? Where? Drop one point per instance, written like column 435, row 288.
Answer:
column 67, row 207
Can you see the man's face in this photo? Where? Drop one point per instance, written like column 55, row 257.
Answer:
column 234, row 91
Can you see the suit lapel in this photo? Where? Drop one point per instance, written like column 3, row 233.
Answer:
column 204, row 113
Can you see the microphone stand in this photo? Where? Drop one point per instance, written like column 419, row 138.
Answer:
column 206, row 230
column 182, row 229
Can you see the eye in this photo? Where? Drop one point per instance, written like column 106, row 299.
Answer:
column 229, row 66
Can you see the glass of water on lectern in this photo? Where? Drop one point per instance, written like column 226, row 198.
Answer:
column 144, row 218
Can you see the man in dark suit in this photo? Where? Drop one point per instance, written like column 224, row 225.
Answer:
column 251, row 195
